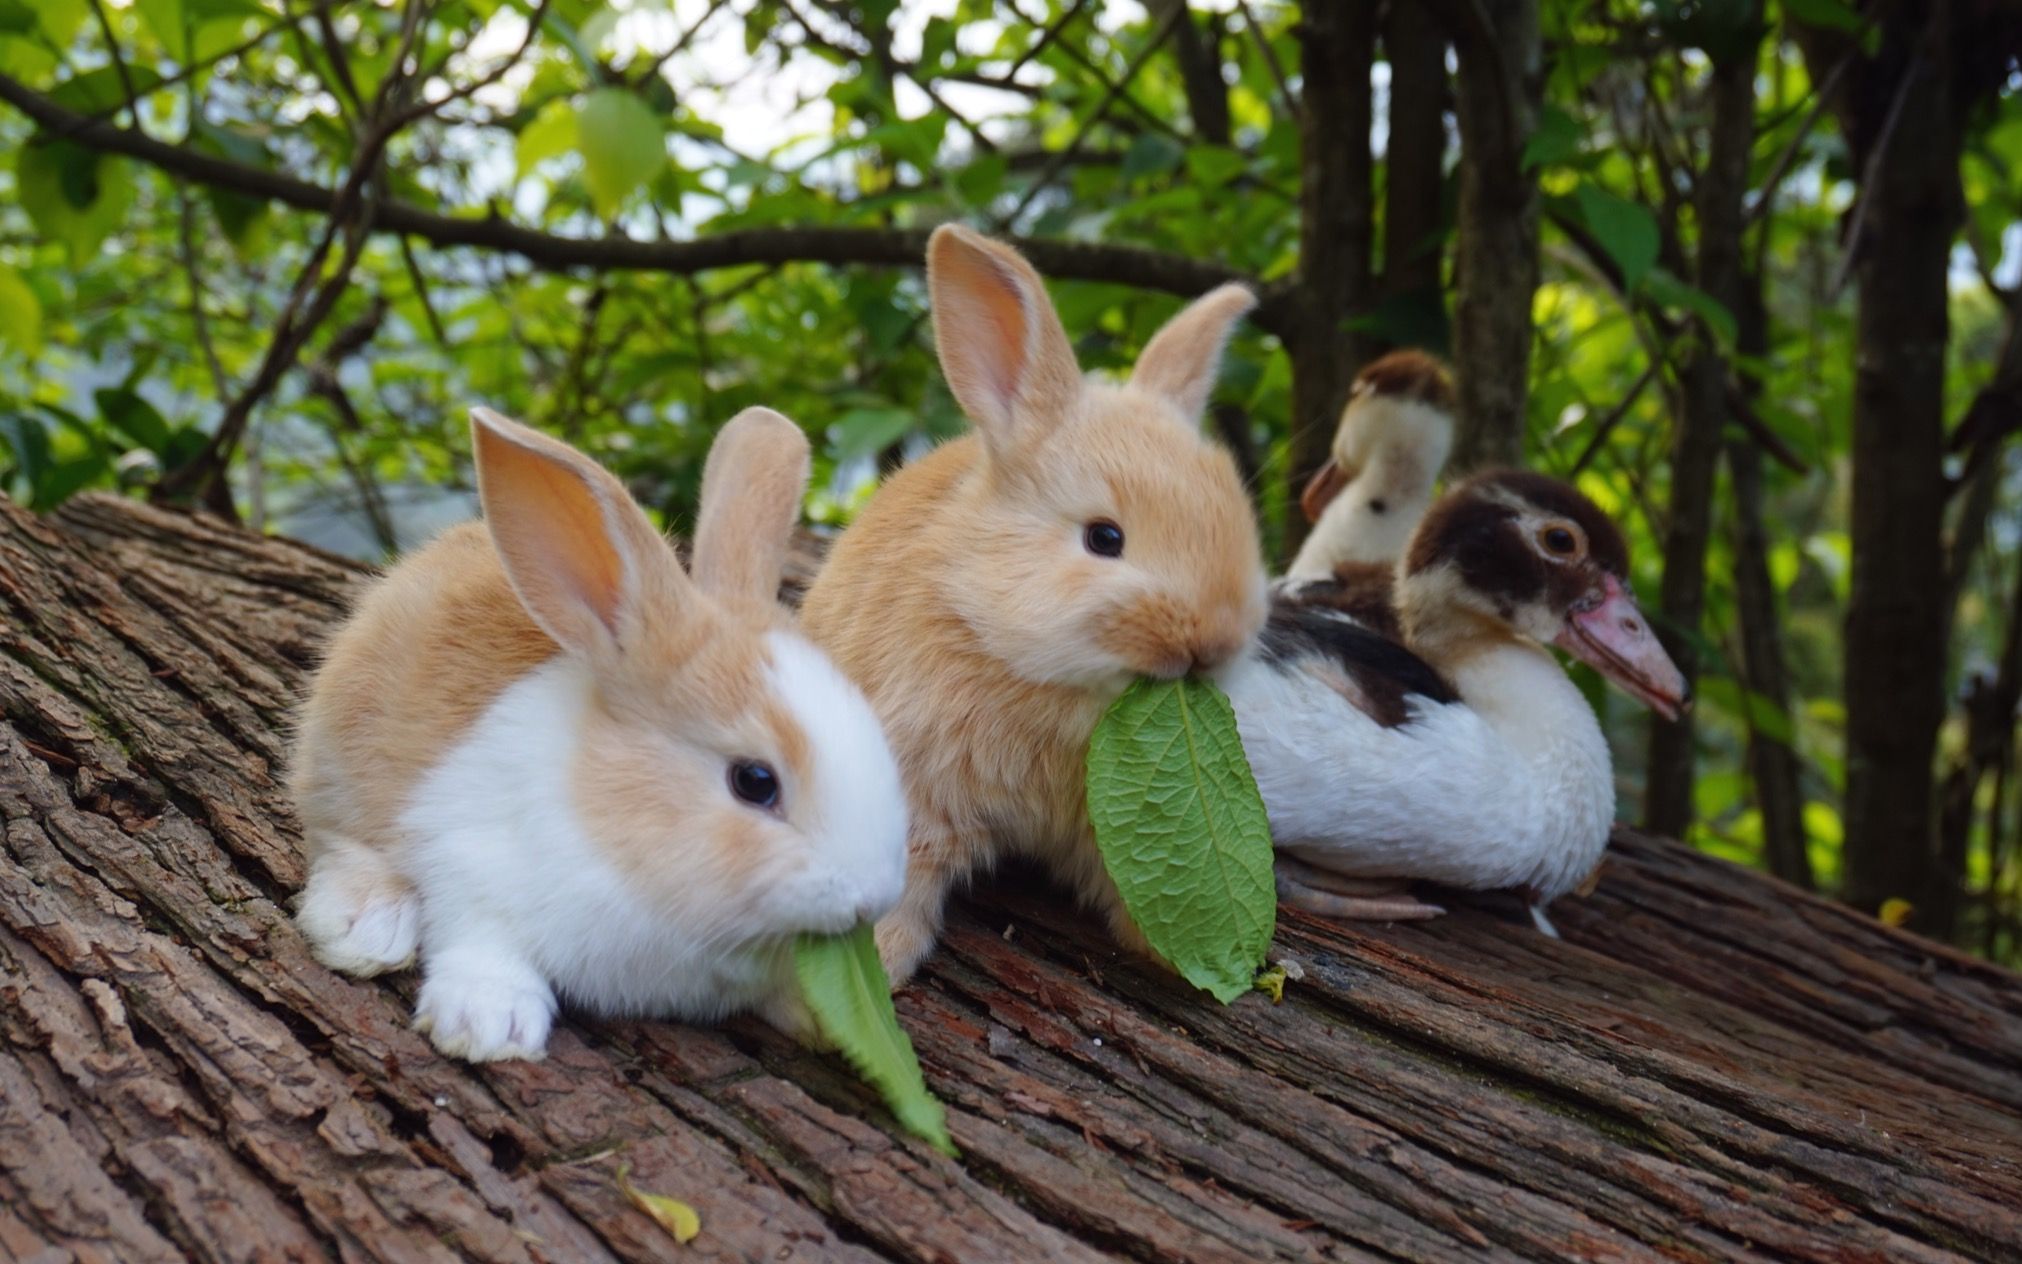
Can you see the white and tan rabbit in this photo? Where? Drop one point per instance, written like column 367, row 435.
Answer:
column 995, row 596
column 548, row 759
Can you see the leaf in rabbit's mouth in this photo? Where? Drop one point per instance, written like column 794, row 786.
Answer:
column 1183, row 832
column 845, row 987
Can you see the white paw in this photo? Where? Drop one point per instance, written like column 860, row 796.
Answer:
column 362, row 938
column 486, row 1017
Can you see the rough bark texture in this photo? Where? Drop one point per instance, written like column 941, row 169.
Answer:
column 1337, row 42
column 1497, row 45
column 1701, row 417
column 1901, row 120
column 1710, row 1066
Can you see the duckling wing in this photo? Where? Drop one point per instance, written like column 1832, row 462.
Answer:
column 1363, row 591
column 1368, row 762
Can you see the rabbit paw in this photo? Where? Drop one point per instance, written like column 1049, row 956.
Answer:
column 486, row 1015
column 361, row 924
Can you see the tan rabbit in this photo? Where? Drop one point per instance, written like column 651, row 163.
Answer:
column 548, row 760
column 995, row 596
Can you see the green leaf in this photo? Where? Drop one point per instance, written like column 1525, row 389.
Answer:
column 1669, row 291
column 1832, row 14
column 1183, row 832
column 549, row 134
column 1152, row 154
column 1627, row 231
column 125, row 411
column 166, row 19
column 72, row 194
column 1213, row 166
column 1746, row 706
column 1556, row 140
column 622, row 146
column 59, row 19
column 96, row 91
column 240, row 216
column 863, row 431
column 20, row 312
column 16, row 18
column 27, row 445
column 845, row 987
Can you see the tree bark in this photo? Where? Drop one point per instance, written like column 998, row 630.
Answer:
column 1990, row 705
column 1899, row 115
column 1710, row 1066
column 1200, row 65
column 1500, row 54
column 1337, row 40
column 1720, row 189
column 1414, row 170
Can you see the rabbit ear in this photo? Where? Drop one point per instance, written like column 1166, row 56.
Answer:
column 1001, row 344
column 1182, row 360
column 579, row 551
column 751, row 489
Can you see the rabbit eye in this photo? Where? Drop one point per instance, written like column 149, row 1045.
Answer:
column 1103, row 538
column 755, row 783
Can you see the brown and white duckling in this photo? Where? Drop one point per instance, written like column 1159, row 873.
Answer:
column 1393, row 440
column 1462, row 755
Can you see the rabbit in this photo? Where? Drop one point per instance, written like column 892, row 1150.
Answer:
column 553, row 764
column 996, row 595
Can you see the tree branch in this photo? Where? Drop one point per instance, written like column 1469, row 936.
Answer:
column 1065, row 260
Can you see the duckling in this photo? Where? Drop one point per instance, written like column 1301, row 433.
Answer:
column 1460, row 754
column 1393, row 440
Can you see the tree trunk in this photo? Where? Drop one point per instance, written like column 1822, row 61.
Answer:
column 1899, row 118
column 1710, row 1066
column 1990, row 705
column 1497, row 43
column 1200, row 65
column 1414, row 172
column 1772, row 763
column 1337, row 40
column 1701, row 418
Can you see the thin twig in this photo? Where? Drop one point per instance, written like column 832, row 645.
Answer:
column 1779, row 169
column 1046, row 37
column 1145, row 115
column 423, row 109
column 118, row 62
column 309, row 303
column 199, row 322
column 681, row 42
column 1271, row 62
column 1614, row 418
column 421, row 293
column 1061, row 159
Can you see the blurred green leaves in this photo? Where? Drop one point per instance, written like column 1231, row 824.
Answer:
column 622, row 144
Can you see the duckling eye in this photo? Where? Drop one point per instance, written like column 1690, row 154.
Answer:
column 1103, row 538
column 1559, row 540
column 755, row 783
